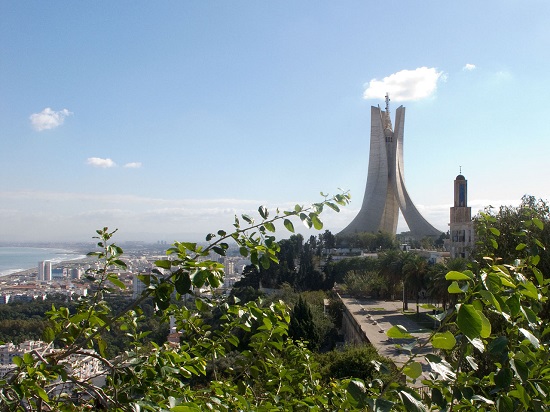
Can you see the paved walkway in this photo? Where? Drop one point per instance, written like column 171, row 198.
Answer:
column 377, row 316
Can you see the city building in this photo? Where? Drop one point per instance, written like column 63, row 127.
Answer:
column 461, row 226
column 75, row 273
column 385, row 193
column 45, row 270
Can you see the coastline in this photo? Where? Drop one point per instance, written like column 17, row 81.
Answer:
column 24, row 260
column 26, row 273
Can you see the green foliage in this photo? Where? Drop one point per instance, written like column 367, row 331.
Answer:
column 298, row 263
column 301, row 325
column 367, row 241
column 271, row 371
column 341, row 268
column 494, row 344
column 361, row 284
column 491, row 350
column 358, row 362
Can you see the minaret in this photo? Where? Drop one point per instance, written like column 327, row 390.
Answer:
column 385, row 193
column 461, row 226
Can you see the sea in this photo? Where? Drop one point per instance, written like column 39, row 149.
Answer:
column 17, row 259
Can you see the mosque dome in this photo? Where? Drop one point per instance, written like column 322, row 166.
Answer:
column 460, row 177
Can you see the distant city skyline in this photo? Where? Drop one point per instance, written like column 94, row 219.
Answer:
column 165, row 120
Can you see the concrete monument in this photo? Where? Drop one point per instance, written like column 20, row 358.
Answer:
column 386, row 193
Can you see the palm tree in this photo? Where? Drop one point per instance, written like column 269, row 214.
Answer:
column 437, row 284
column 390, row 268
column 414, row 268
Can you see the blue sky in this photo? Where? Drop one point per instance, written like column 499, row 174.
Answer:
column 164, row 119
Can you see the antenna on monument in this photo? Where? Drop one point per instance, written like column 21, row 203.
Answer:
column 460, row 168
column 387, row 103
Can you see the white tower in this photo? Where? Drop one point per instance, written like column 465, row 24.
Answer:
column 385, row 193
column 45, row 270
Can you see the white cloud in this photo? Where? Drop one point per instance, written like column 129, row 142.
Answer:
column 48, row 119
column 405, row 85
column 469, row 67
column 99, row 162
column 133, row 165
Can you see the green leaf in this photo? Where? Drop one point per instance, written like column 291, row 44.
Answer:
column 317, row 224
column 17, row 360
column 411, row 403
column 529, row 289
column 380, row 405
column 493, row 283
column 521, row 394
column 201, row 305
column 485, row 325
column 243, row 251
column 454, row 288
column 445, row 340
column 513, row 303
column 491, row 299
column 185, row 408
column 183, row 283
column 27, row 358
column 438, row 399
column 333, row 206
column 289, row 226
column 520, row 369
column 163, row 264
column 505, row 404
column 305, row 220
column 357, row 390
column 265, row 261
column 498, row 348
column 538, row 275
column 263, row 212
column 454, row 275
column 116, row 281
column 269, row 226
column 469, row 321
column 41, row 393
column 538, row 223
column 494, row 231
column 521, row 246
column 219, row 250
column 398, row 332
column 503, row 378
column 101, row 345
column 413, row 370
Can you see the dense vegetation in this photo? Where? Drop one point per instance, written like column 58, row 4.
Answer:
column 491, row 351
column 21, row 321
